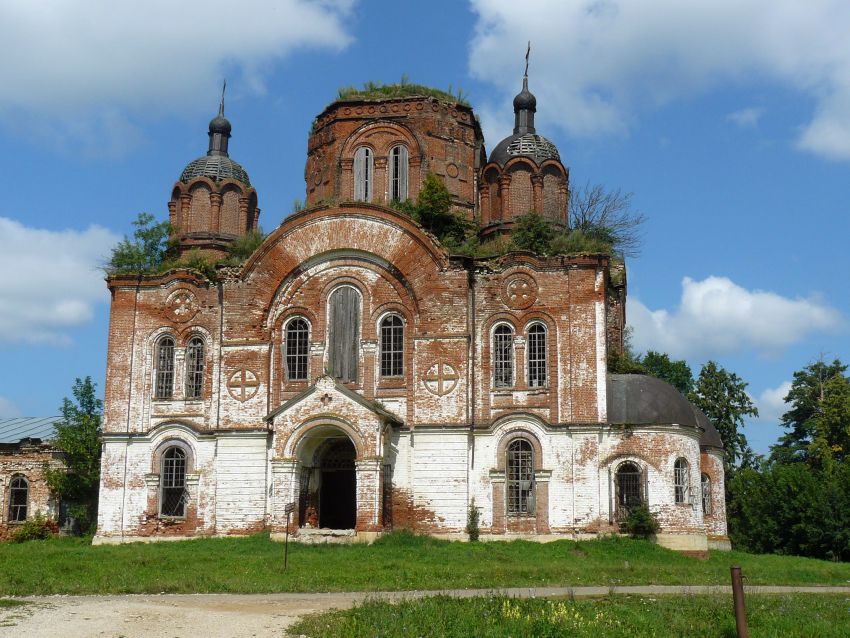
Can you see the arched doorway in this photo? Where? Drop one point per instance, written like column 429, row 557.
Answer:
column 629, row 489
column 338, row 484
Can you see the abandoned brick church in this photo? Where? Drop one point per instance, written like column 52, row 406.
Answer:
column 353, row 376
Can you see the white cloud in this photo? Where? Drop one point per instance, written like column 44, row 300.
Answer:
column 716, row 316
column 52, row 279
column 8, row 409
column 746, row 118
column 88, row 70
column 771, row 402
column 596, row 63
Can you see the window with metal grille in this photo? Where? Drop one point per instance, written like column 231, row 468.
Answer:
column 706, row 494
column 363, row 174
column 681, row 481
column 398, row 173
column 173, row 494
column 164, row 368
column 537, row 356
column 19, row 490
column 520, row 478
column 344, row 335
column 628, row 489
column 503, row 356
column 195, row 368
column 392, row 346
column 295, row 347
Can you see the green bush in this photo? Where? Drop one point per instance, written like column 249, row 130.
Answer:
column 37, row 528
column 640, row 523
column 472, row 518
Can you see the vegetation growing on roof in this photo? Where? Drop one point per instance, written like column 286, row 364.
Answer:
column 404, row 88
column 153, row 250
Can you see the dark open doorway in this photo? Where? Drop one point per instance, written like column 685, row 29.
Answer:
column 338, row 493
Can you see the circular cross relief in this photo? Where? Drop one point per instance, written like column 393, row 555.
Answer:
column 181, row 306
column 440, row 379
column 243, row 384
column 520, row 291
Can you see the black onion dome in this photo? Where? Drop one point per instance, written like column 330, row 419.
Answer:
column 220, row 124
column 216, row 167
column 639, row 399
column 216, row 164
column 525, row 99
column 529, row 145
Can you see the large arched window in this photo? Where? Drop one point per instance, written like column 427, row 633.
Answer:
column 520, row 478
column 537, row 356
column 705, row 485
column 398, row 173
column 164, row 386
column 681, row 481
column 628, row 489
column 503, row 356
column 295, row 349
column 173, row 495
column 392, row 346
column 19, row 491
column 363, row 174
column 195, row 368
column 344, row 337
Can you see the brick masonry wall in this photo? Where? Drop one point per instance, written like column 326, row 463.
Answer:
column 27, row 461
column 445, row 448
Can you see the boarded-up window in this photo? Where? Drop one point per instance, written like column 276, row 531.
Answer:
column 554, row 203
column 344, row 333
column 363, row 174
column 398, row 173
column 705, row 484
column 164, row 368
column 522, row 192
column 195, row 368
column 18, row 497
column 297, row 334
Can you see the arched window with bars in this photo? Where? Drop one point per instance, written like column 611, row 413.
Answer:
column 195, row 368
column 520, row 478
column 173, row 495
column 398, row 173
column 628, row 489
column 363, row 174
column 536, row 356
column 681, row 481
column 164, row 378
column 296, row 346
column 19, row 492
column 503, row 356
column 392, row 346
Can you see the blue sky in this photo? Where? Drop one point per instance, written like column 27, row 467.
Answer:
column 728, row 121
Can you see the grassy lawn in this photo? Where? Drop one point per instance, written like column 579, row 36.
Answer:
column 396, row 562
column 620, row 616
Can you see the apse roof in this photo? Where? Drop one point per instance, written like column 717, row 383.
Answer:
column 641, row 399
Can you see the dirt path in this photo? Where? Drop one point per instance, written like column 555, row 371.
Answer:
column 248, row 616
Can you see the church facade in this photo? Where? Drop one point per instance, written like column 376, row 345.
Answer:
column 353, row 376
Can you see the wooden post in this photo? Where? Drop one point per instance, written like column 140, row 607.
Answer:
column 738, row 598
column 288, row 509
